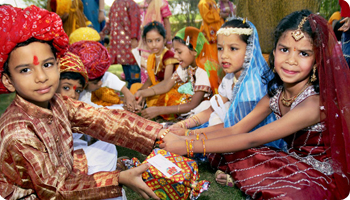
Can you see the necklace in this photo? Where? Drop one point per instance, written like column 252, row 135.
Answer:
column 288, row 102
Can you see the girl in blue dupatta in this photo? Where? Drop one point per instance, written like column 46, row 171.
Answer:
column 246, row 93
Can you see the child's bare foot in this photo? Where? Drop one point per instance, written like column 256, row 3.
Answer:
column 223, row 179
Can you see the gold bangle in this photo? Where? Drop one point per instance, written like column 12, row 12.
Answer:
column 188, row 152
column 203, row 146
column 154, row 91
column 191, row 147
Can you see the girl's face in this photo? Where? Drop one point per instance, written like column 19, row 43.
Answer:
column 184, row 55
column 231, row 53
column 70, row 88
column 294, row 60
column 34, row 73
column 155, row 41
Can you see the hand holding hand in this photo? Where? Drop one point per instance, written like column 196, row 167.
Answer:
column 175, row 146
column 150, row 113
column 132, row 178
column 179, row 131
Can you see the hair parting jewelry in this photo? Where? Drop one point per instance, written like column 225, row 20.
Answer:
column 313, row 76
column 298, row 34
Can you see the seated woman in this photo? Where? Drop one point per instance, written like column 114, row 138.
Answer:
column 198, row 72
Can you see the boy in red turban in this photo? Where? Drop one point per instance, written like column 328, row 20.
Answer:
column 36, row 145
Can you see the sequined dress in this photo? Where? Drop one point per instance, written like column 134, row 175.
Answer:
column 303, row 172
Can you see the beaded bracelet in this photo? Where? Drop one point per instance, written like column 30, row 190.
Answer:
column 203, row 146
column 163, row 135
column 191, row 147
column 188, row 152
column 205, row 135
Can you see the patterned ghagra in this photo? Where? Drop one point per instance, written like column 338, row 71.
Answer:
column 303, row 172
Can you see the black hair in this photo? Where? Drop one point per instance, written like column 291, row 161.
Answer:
column 106, row 40
column 25, row 43
column 155, row 25
column 288, row 23
column 73, row 76
column 177, row 38
column 236, row 23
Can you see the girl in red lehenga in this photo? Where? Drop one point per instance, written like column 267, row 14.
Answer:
column 309, row 95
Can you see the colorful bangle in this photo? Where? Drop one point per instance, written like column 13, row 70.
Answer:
column 197, row 136
column 191, row 147
column 163, row 135
column 182, row 124
column 198, row 122
column 203, row 146
column 188, row 152
column 187, row 132
column 205, row 135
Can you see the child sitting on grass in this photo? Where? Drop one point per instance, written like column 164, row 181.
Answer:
column 101, row 85
column 36, row 144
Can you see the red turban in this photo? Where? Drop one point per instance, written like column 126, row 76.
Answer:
column 94, row 56
column 72, row 63
column 18, row 25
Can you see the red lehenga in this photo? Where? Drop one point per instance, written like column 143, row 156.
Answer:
column 303, row 172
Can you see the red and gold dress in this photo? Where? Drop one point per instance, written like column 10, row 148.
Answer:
column 303, row 172
column 37, row 160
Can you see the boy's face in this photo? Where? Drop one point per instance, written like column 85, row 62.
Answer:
column 70, row 88
column 34, row 73
column 94, row 85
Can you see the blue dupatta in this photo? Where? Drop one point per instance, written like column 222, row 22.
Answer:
column 250, row 87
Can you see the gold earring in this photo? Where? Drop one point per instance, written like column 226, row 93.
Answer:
column 313, row 76
column 273, row 70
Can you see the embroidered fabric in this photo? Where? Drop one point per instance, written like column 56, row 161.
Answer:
column 309, row 91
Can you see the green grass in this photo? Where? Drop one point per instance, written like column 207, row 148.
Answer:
column 215, row 192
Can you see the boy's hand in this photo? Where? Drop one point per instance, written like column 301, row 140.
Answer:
column 132, row 179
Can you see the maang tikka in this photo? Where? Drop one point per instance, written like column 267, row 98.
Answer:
column 298, row 34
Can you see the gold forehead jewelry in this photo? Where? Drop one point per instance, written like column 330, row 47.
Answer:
column 298, row 34
column 230, row 31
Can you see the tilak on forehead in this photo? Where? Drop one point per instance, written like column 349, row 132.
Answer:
column 35, row 60
column 74, row 87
